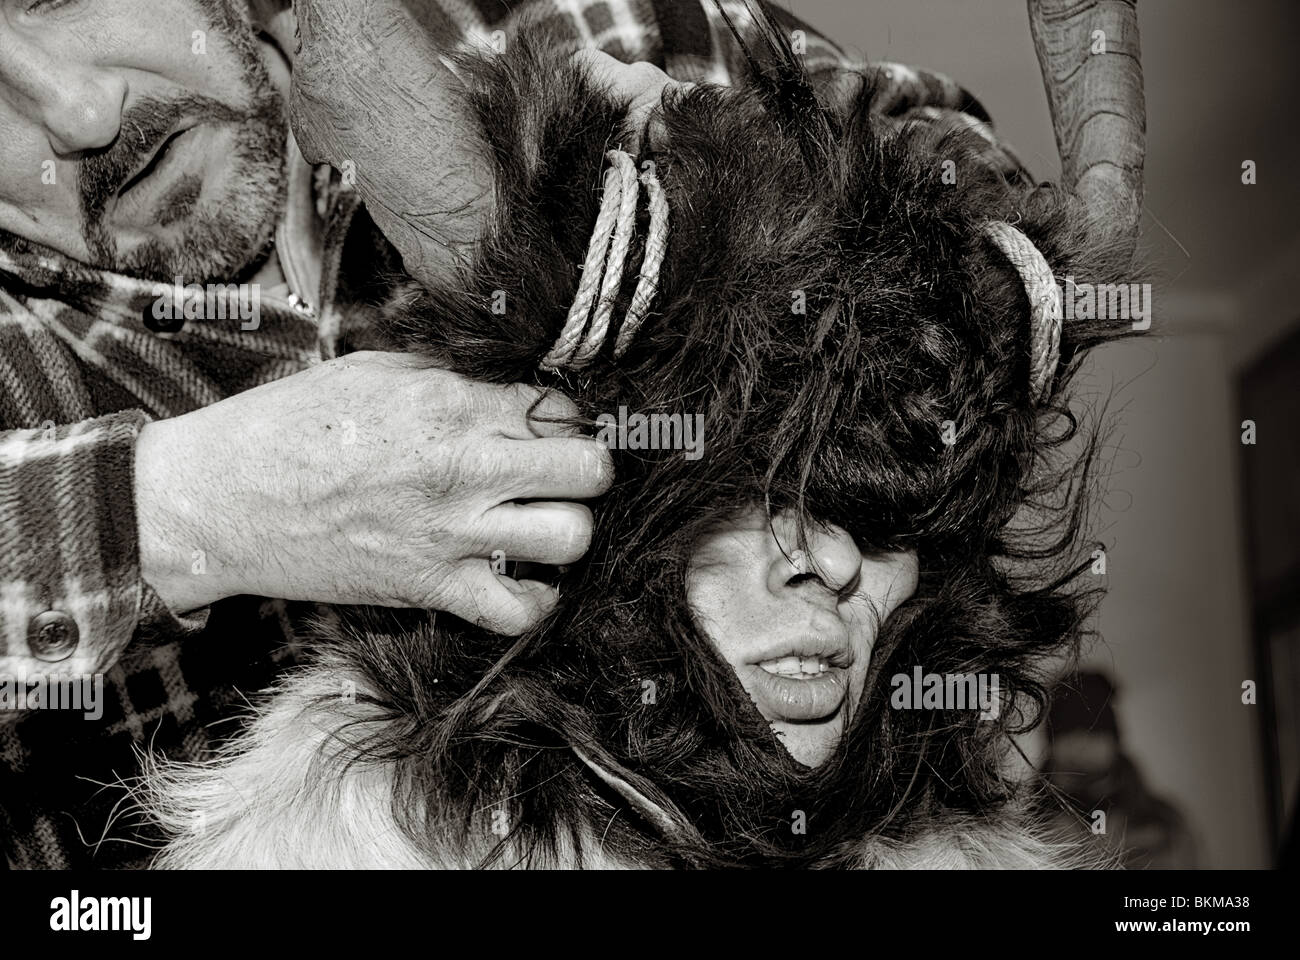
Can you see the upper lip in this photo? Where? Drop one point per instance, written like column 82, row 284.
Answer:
column 830, row 645
column 146, row 162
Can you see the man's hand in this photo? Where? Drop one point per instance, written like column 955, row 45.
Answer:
column 368, row 479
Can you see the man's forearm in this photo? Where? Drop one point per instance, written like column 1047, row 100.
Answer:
column 373, row 97
column 175, row 517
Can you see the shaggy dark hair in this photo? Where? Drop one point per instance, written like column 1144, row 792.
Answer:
column 912, row 319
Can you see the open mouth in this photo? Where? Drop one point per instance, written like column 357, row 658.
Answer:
column 807, row 682
column 796, row 668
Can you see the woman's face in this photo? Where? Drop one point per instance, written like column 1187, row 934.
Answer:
column 797, row 628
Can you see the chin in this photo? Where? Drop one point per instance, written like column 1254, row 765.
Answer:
column 810, row 743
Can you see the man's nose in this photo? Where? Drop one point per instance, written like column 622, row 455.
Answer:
column 831, row 561
column 85, row 116
column 79, row 106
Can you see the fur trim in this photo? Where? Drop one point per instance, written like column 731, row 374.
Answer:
column 290, row 793
column 294, row 793
column 968, row 843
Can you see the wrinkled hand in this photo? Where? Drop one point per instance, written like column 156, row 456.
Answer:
column 368, row 479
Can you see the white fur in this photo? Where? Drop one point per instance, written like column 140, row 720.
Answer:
column 277, row 798
column 970, row 844
column 282, row 797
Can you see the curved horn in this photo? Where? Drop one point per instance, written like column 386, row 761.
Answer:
column 1090, row 56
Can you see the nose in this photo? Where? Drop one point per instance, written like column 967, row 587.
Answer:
column 85, row 115
column 831, row 565
column 78, row 105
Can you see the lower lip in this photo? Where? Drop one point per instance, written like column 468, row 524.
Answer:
column 816, row 698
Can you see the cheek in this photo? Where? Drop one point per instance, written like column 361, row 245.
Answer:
column 32, row 179
column 891, row 582
column 21, row 208
column 721, row 607
column 180, row 50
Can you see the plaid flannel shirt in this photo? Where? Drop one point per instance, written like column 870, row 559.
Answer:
column 80, row 374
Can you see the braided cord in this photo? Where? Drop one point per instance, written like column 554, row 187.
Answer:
column 625, row 223
column 602, row 272
column 655, row 246
column 1044, row 303
column 561, row 354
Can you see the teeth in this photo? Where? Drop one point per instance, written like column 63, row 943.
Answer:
column 796, row 667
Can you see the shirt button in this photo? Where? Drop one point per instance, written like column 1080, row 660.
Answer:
column 52, row 636
column 302, row 306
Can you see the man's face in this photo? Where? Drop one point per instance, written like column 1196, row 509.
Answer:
column 144, row 136
column 797, row 628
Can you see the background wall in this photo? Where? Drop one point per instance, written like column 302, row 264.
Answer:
column 1176, row 621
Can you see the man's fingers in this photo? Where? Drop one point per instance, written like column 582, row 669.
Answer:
column 641, row 84
column 549, row 532
column 498, row 603
column 558, row 468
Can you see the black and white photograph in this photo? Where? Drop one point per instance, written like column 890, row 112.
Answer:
column 745, row 436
